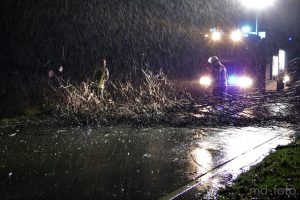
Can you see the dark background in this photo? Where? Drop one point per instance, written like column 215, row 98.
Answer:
column 37, row 36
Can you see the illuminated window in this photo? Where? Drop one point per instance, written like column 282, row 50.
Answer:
column 281, row 60
column 275, row 66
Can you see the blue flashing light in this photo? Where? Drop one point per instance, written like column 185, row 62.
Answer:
column 213, row 30
column 233, row 80
column 246, row 29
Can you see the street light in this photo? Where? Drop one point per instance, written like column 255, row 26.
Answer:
column 257, row 5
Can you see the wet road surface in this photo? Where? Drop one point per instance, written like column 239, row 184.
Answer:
column 123, row 162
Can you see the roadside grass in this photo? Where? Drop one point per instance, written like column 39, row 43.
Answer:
column 276, row 177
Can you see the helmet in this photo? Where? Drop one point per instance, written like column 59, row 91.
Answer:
column 213, row 60
column 103, row 62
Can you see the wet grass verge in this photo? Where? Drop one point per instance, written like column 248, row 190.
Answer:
column 276, row 177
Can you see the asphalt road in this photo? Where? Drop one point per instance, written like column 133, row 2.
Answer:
column 55, row 162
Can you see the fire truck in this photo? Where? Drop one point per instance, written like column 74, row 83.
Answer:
column 243, row 54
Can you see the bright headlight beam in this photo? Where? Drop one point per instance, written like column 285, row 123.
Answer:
column 245, row 82
column 205, row 80
column 216, row 36
column 236, row 36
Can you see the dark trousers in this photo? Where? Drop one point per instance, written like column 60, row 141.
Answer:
column 219, row 91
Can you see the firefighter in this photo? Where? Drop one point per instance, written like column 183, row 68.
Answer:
column 219, row 76
column 101, row 75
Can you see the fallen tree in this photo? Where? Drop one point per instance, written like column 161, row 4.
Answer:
column 158, row 100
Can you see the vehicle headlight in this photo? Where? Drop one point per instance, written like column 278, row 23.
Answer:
column 205, row 80
column 236, row 36
column 286, row 79
column 245, row 82
column 216, row 36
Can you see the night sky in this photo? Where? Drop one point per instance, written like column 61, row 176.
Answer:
column 167, row 34
column 281, row 21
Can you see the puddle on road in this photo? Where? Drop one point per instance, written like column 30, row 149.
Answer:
column 124, row 162
column 222, row 156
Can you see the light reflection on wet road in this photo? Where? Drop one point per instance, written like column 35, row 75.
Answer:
column 222, row 156
column 125, row 162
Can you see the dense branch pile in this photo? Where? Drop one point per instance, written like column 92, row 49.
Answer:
column 157, row 100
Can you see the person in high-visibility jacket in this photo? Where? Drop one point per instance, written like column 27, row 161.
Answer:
column 101, row 76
